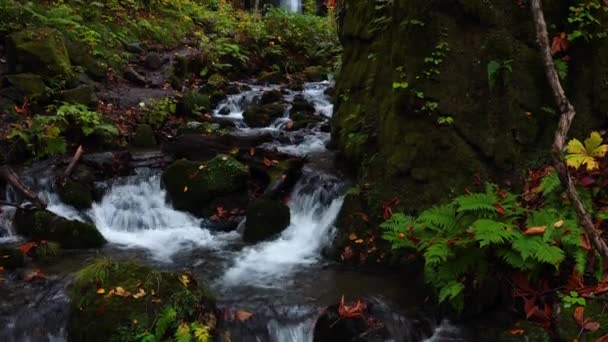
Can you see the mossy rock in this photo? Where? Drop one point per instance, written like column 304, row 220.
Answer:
column 40, row 50
column 191, row 185
column 193, row 104
column 217, row 81
column 108, row 316
column 263, row 115
column 144, row 137
column 567, row 329
column 273, row 77
column 39, row 224
column 304, row 120
column 29, row 85
column 83, row 94
column 271, row 96
column 11, row 258
column 315, row 74
column 76, row 194
column 265, row 218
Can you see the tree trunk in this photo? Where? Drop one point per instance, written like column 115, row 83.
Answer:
column 567, row 114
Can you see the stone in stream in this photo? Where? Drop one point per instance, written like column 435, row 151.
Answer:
column 76, row 194
column 304, row 120
column 265, row 218
column 300, row 104
column 118, row 301
column 191, row 186
column 331, row 326
column 271, row 96
column 315, row 74
column 38, row 50
column 144, row 137
column 38, row 224
column 192, row 104
column 263, row 115
column 153, row 61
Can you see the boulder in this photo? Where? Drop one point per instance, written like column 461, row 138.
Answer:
column 38, row 50
column 315, row 74
column 192, row 104
column 113, row 300
column 265, row 218
column 304, row 120
column 83, row 94
column 300, row 104
column 330, row 326
column 192, row 185
column 153, row 61
column 263, row 115
column 77, row 194
column 134, row 47
column 29, row 85
column 274, row 77
column 271, row 96
column 80, row 55
column 144, row 137
column 39, row 224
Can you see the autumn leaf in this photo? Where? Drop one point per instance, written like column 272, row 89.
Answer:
column 516, row 332
column 352, row 237
column 27, row 247
column 500, row 209
column 234, row 151
column 558, row 224
column 535, row 230
column 252, row 151
column 592, row 326
column 579, row 313
column 242, row 315
column 560, row 43
column 35, row 274
column 347, row 253
column 184, row 279
column 101, row 291
column 289, row 125
column 579, row 154
column 140, row 293
column 354, row 311
column 359, row 241
column 267, row 162
column 362, row 215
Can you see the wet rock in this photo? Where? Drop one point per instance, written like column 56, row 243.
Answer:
column 224, row 111
column 38, row 50
column 136, row 296
column 263, row 115
column 192, row 104
column 133, row 76
column 271, row 96
column 315, row 74
column 300, row 104
column 531, row 332
column 192, row 185
column 84, row 94
column 303, row 120
column 76, row 194
column 204, row 147
column 144, row 137
column 44, row 225
column 217, row 81
column 153, row 61
column 27, row 84
column 330, row 326
column 11, row 258
column 134, row 47
column 274, row 77
column 330, row 91
column 265, row 218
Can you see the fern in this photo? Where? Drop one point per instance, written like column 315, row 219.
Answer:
column 165, row 321
column 396, row 229
column 201, row 332
column 436, row 253
column 438, row 218
column 549, row 254
column 515, row 260
column 477, row 203
column 451, row 291
column 490, row 232
column 550, row 184
column 183, row 333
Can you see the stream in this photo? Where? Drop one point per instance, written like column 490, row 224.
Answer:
column 286, row 282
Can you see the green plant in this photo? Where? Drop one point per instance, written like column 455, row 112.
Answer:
column 445, row 120
column 166, row 323
column 584, row 20
column 464, row 241
column 89, row 122
column 572, row 299
column 499, row 72
column 433, row 62
column 158, row 111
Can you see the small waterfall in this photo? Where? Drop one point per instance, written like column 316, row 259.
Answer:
column 6, row 216
column 314, row 207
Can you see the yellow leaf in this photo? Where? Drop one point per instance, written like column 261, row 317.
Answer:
column 140, row 293
column 101, row 291
column 184, row 279
column 360, row 241
column 579, row 154
column 594, row 146
column 234, row 151
column 186, row 188
column 559, row 224
column 352, row 236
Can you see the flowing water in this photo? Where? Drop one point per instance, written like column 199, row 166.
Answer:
column 285, row 282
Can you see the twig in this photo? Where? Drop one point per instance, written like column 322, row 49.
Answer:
column 11, row 178
column 565, row 121
column 77, row 156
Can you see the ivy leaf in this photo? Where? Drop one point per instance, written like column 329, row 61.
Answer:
column 579, row 154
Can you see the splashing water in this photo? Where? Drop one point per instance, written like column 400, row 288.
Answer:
column 314, row 208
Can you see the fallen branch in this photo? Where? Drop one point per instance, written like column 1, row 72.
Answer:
column 73, row 162
column 10, row 177
column 567, row 114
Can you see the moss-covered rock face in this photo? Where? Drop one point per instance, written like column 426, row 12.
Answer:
column 191, row 186
column 39, row 50
column 44, row 225
column 144, row 137
column 263, row 115
column 120, row 301
column 76, row 194
column 265, row 219
column 437, row 54
column 27, row 84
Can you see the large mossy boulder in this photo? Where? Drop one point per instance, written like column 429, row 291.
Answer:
column 144, row 137
column 263, row 115
column 191, row 186
column 38, row 50
column 390, row 136
column 265, row 218
column 193, row 104
column 29, row 85
column 120, row 301
column 40, row 224
column 76, row 194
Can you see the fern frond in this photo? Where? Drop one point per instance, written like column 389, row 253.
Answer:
column 525, row 245
column 183, row 333
column 550, row 184
column 478, row 202
column 490, row 232
column 436, row 253
column 515, row 260
column 549, row 254
column 442, row 217
column 398, row 223
column 165, row 321
column 201, row 332
column 450, row 291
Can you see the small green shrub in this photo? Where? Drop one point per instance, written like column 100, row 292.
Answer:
column 158, row 111
column 499, row 72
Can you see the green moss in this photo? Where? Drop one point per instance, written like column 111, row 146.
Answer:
column 265, row 219
column 39, row 50
column 76, row 194
column 191, row 186
column 193, row 104
column 105, row 317
column 144, row 137
column 44, row 225
column 263, row 115
column 28, row 84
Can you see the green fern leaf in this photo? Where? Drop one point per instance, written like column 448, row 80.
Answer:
column 450, row 291
column 183, row 333
column 201, row 332
column 549, row 254
column 490, row 232
column 437, row 218
column 550, row 184
column 398, row 223
column 580, row 259
column 526, row 246
column 476, row 202
column 515, row 260
column 165, row 321
column 436, row 253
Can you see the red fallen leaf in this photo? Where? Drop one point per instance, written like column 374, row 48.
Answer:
column 242, row 315
column 602, row 338
column 575, row 282
column 267, row 162
column 500, row 209
column 23, row 109
column 252, row 151
column 579, row 314
column 347, row 253
column 387, row 207
column 587, row 181
column 516, row 332
column 1, row 269
column 592, row 326
column 27, row 247
column 362, row 215
column 35, row 274
column 354, row 311
column 274, row 161
column 560, row 43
